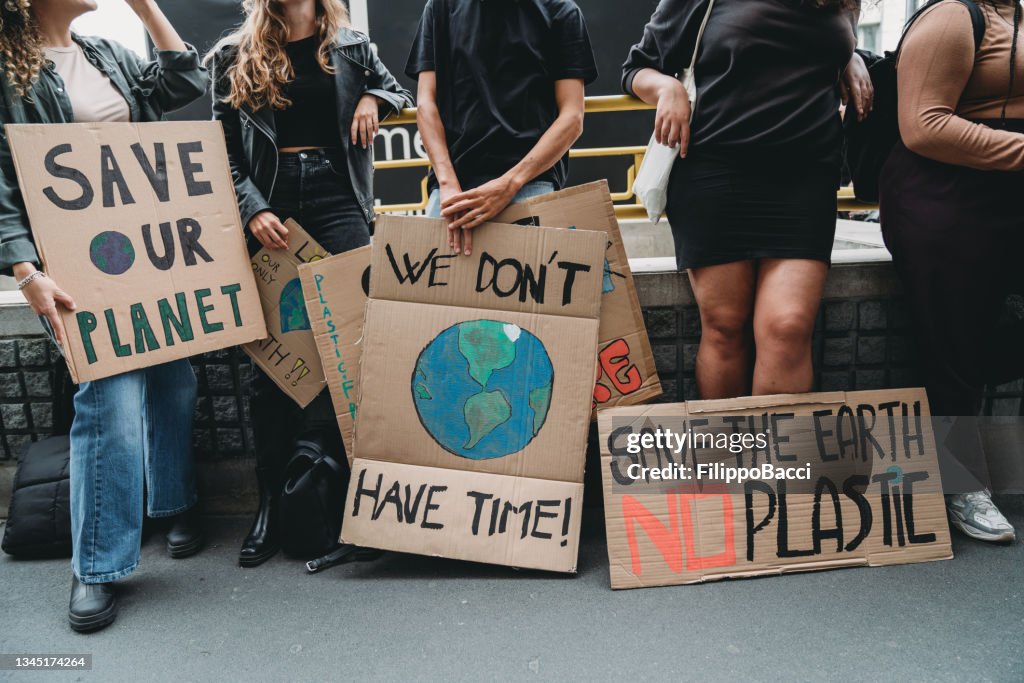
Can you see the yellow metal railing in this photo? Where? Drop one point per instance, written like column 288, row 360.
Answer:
column 604, row 103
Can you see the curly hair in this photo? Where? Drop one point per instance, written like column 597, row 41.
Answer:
column 21, row 46
column 261, row 66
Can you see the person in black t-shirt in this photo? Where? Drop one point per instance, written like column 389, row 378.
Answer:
column 500, row 102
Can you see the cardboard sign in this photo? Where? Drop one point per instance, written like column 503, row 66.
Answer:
column 626, row 374
column 475, row 393
column 288, row 354
column 335, row 289
column 872, row 495
column 138, row 223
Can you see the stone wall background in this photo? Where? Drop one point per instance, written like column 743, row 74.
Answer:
column 862, row 341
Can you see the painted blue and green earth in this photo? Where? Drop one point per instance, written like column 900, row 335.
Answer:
column 482, row 388
column 112, row 252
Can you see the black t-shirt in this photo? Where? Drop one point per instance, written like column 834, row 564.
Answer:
column 312, row 118
column 767, row 73
column 496, row 62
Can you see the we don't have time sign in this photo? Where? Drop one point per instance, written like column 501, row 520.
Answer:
column 138, row 223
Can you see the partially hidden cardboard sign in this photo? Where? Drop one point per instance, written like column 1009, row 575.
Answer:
column 475, row 393
column 335, row 290
column 289, row 353
column 872, row 495
column 138, row 223
column 626, row 374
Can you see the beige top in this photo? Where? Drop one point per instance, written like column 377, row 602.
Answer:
column 93, row 97
column 944, row 85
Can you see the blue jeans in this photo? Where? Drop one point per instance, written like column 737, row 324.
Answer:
column 132, row 435
column 534, row 188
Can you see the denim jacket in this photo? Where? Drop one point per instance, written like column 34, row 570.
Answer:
column 251, row 136
column 151, row 88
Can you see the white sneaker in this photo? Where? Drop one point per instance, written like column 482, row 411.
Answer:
column 977, row 516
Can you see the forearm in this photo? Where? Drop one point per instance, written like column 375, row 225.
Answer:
column 23, row 270
column 649, row 84
column 431, row 129
column 552, row 146
column 157, row 25
column 943, row 136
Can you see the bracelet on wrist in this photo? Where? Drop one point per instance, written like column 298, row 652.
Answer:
column 25, row 281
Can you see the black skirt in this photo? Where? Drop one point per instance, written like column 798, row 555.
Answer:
column 728, row 207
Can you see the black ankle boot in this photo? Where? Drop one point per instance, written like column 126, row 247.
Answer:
column 186, row 536
column 93, row 606
column 260, row 545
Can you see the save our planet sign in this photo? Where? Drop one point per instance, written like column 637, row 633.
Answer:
column 138, row 223
column 476, row 388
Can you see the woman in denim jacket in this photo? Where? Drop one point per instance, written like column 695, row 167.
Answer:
column 132, row 432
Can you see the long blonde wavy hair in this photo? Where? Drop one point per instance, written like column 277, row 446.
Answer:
column 21, row 45
column 261, row 67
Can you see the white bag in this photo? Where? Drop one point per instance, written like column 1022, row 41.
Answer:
column 651, row 183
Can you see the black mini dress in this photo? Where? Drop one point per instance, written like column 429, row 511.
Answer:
column 760, row 177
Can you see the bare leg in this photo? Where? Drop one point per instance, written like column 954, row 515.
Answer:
column 725, row 295
column 785, row 307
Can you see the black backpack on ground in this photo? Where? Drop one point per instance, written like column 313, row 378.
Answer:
column 869, row 142
column 39, row 518
column 312, row 501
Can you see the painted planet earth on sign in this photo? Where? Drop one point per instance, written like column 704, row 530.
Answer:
column 292, row 308
column 482, row 388
column 112, row 252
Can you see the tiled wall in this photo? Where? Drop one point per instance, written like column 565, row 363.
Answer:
column 862, row 341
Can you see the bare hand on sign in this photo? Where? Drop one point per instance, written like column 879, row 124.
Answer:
column 470, row 209
column 448, row 191
column 269, row 230
column 43, row 295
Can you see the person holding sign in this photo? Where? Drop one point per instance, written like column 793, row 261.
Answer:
column 132, row 432
column 752, row 196
column 300, row 96
column 500, row 102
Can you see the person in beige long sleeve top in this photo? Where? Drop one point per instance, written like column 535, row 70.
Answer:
column 944, row 88
column 948, row 196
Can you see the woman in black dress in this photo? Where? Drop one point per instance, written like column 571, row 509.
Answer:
column 752, row 198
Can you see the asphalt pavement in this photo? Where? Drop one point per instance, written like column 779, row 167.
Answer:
column 413, row 618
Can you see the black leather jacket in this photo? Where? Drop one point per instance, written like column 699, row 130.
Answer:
column 251, row 138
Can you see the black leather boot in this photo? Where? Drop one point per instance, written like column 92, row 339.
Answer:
column 93, row 606
column 186, row 536
column 260, row 545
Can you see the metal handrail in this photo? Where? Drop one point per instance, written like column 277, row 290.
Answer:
column 592, row 105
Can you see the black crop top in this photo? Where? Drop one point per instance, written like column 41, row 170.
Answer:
column 312, row 118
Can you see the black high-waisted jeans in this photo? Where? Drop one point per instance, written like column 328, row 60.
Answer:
column 313, row 188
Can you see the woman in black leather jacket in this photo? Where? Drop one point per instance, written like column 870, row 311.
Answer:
column 300, row 96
